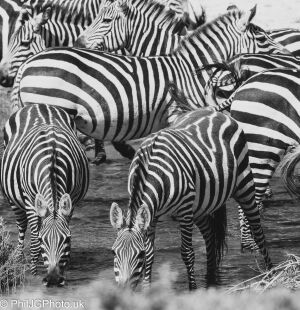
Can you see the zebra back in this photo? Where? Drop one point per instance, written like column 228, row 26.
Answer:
column 119, row 98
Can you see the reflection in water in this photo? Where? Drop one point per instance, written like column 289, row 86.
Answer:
column 92, row 235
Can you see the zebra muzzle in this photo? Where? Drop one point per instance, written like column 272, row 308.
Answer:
column 54, row 277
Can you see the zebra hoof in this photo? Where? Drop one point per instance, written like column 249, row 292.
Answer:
column 99, row 159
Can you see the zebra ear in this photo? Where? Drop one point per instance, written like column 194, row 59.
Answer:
column 116, row 216
column 143, row 218
column 123, row 7
column 246, row 18
column 41, row 19
column 65, row 205
column 40, row 205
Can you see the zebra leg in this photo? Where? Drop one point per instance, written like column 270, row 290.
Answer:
column 245, row 196
column 187, row 252
column 100, row 155
column 247, row 240
column 149, row 254
column 211, row 257
column 21, row 220
column 35, row 247
column 124, row 149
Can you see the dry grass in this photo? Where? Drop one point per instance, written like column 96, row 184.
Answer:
column 286, row 275
column 12, row 269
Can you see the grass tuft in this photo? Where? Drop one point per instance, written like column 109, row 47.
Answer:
column 12, row 268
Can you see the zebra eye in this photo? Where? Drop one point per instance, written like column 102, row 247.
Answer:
column 107, row 20
column 141, row 255
column 113, row 252
column 25, row 42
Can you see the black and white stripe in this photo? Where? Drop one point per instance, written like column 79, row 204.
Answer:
column 41, row 24
column 267, row 108
column 142, row 28
column 288, row 37
column 44, row 174
column 121, row 98
column 187, row 171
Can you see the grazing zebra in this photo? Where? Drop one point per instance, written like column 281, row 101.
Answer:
column 267, row 107
column 119, row 98
column 187, row 171
column 44, row 174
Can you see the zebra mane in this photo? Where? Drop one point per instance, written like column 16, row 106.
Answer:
column 53, row 176
column 134, row 185
column 206, row 28
column 164, row 15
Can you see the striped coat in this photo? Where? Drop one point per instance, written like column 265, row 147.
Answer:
column 187, row 171
column 121, row 98
column 44, row 174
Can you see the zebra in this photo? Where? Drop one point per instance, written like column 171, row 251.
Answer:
column 64, row 34
column 139, row 28
column 267, row 108
column 147, row 29
column 44, row 174
column 288, row 37
column 119, row 98
column 187, row 171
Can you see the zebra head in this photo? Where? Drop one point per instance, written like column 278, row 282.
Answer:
column 54, row 237
column 131, row 246
column 109, row 30
column 25, row 41
column 253, row 38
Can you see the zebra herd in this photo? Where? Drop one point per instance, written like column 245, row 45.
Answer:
column 145, row 69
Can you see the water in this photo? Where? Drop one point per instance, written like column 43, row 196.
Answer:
column 93, row 236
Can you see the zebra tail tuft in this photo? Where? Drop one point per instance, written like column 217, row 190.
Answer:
column 287, row 169
column 218, row 223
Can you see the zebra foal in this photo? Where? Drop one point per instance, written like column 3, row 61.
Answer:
column 187, row 171
column 44, row 174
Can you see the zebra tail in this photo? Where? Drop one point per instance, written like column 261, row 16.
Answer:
column 218, row 224
column 287, row 168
